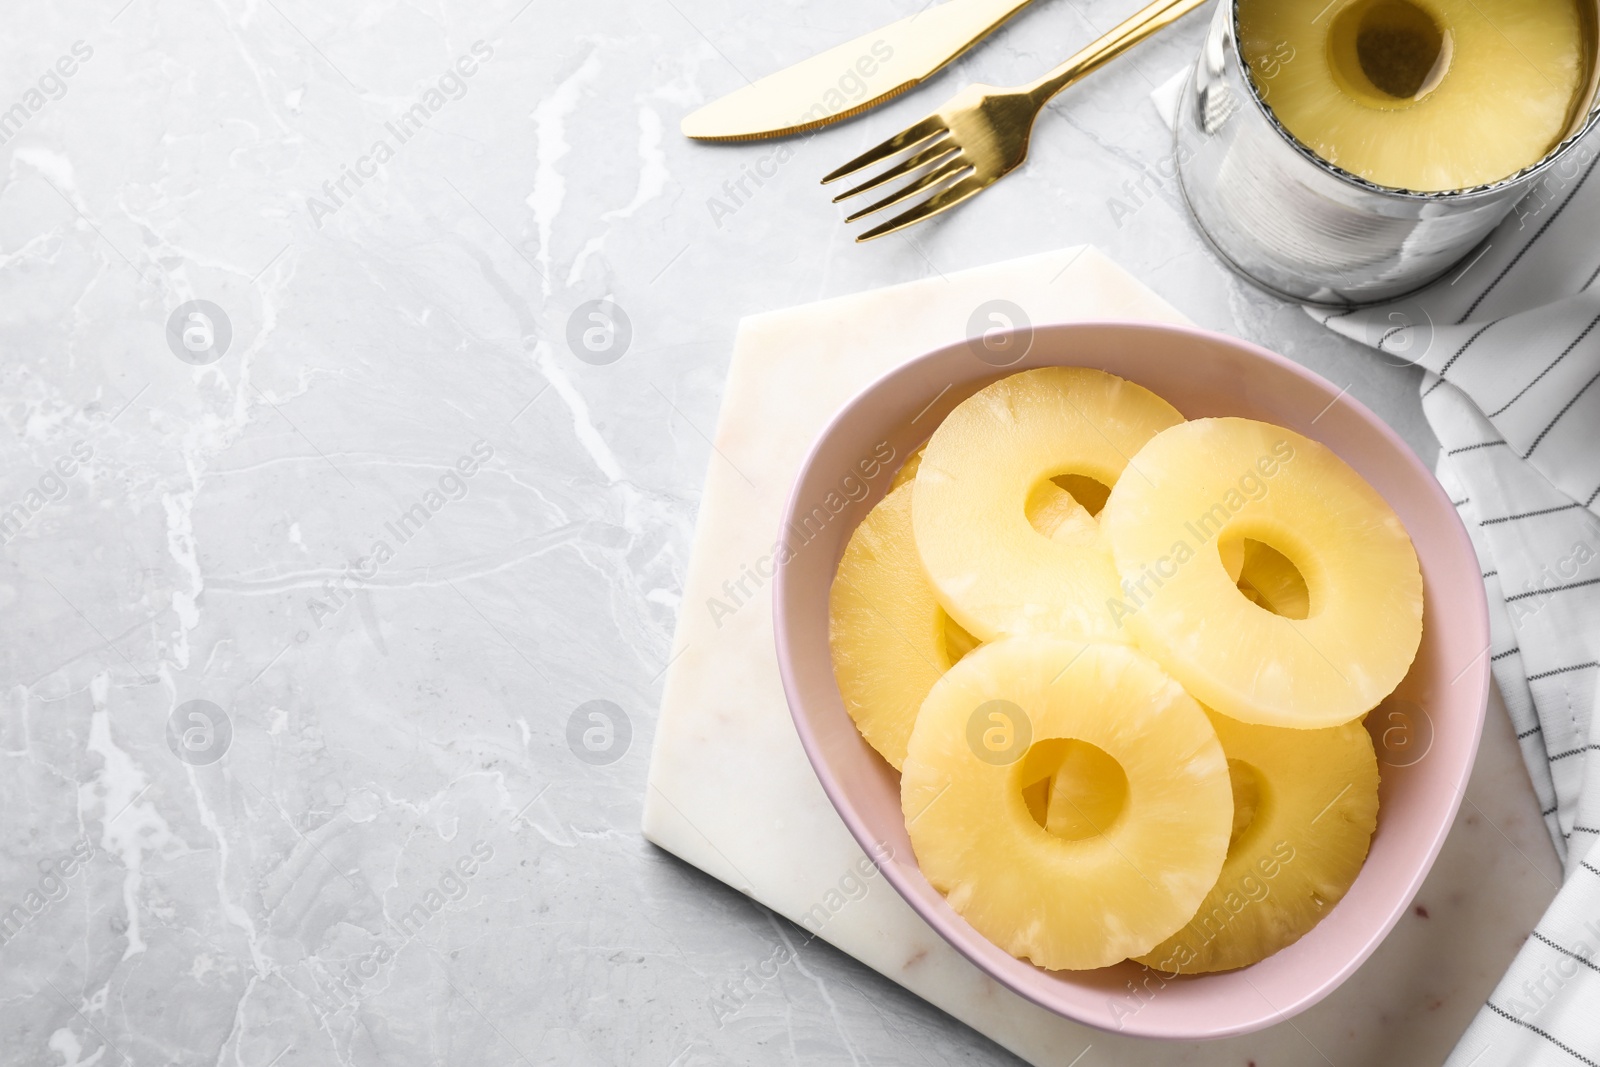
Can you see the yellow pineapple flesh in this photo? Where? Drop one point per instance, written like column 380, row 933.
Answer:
column 997, row 468
column 1087, row 790
column 1426, row 95
column 889, row 638
column 1138, row 863
column 1217, row 480
column 1305, row 807
column 879, row 615
column 1056, row 514
column 1052, row 507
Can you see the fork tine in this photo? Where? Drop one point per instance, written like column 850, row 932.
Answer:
column 941, row 148
column 932, row 178
column 943, row 200
column 907, row 137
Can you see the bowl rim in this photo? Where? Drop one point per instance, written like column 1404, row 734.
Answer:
column 969, row 945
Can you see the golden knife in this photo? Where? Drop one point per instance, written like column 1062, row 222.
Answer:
column 852, row 77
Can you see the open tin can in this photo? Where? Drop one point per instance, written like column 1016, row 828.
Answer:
column 1300, row 227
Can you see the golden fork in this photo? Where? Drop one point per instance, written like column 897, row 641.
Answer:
column 982, row 134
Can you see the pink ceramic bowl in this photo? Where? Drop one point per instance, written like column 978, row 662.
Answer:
column 1427, row 733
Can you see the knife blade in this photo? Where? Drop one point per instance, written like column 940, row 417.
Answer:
column 852, row 77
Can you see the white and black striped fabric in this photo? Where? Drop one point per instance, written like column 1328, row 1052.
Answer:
column 1511, row 343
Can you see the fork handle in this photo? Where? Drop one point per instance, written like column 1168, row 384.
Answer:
column 1151, row 18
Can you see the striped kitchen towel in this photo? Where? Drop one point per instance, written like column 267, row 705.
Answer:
column 1511, row 344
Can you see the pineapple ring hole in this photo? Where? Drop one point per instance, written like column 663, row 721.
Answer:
column 1073, row 789
column 1091, row 493
column 1246, row 783
column 1266, row 577
column 1388, row 54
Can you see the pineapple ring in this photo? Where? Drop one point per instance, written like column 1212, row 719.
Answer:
column 1068, row 904
column 1315, row 800
column 1212, row 480
column 981, row 477
column 1489, row 89
column 889, row 638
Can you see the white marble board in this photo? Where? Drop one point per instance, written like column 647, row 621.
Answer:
column 730, row 789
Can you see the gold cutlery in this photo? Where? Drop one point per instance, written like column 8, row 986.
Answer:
column 982, row 134
column 852, row 77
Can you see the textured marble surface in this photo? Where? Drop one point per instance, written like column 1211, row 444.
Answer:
column 342, row 547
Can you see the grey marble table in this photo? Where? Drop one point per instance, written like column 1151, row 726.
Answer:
column 322, row 536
